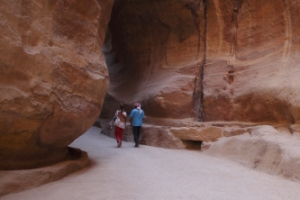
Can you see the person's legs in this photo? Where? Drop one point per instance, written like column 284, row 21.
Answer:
column 118, row 135
column 121, row 136
column 136, row 133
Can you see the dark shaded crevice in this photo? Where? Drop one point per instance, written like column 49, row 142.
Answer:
column 192, row 144
column 140, row 56
column 201, row 69
column 198, row 10
column 131, row 48
column 237, row 5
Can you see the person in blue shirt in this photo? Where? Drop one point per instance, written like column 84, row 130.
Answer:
column 136, row 119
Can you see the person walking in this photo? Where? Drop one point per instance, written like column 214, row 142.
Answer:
column 136, row 119
column 120, row 124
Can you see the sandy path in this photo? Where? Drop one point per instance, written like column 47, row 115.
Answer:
column 149, row 173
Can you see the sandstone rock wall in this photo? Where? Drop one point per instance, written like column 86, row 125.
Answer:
column 154, row 50
column 211, row 60
column 53, row 77
column 251, row 71
column 233, row 60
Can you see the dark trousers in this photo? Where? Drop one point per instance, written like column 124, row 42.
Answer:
column 136, row 134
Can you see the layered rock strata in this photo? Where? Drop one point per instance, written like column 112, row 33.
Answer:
column 53, row 77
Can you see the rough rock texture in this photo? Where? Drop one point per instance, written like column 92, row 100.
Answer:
column 53, row 77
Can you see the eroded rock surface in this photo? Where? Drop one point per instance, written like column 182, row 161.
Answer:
column 233, row 60
column 53, row 77
column 252, row 61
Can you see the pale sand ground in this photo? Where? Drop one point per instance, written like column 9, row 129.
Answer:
column 149, row 173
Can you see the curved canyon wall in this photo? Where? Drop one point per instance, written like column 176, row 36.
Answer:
column 231, row 60
column 210, row 60
column 154, row 50
column 53, row 77
column 216, row 75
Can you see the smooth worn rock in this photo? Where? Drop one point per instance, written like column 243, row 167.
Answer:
column 233, row 131
column 18, row 180
column 272, row 154
column 53, row 77
column 262, row 130
column 212, row 60
column 153, row 51
column 251, row 71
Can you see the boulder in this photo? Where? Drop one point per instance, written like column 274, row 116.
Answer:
column 53, row 77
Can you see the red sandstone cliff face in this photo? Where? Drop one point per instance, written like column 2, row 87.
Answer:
column 53, row 77
column 251, row 71
column 233, row 60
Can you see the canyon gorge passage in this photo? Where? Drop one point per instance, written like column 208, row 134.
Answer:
column 217, row 75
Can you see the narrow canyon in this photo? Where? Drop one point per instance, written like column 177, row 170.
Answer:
column 217, row 76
